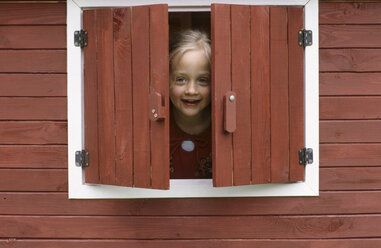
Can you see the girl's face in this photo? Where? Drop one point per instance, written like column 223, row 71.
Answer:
column 190, row 84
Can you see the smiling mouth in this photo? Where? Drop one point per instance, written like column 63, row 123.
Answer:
column 190, row 102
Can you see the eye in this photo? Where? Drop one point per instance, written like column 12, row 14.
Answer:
column 180, row 80
column 203, row 81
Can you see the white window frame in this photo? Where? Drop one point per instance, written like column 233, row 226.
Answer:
column 194, row 187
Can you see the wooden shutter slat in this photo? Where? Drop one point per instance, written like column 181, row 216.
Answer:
column 296, row 93
column 159, row 60
column 260, row 94
column 221, row 83
column 123, row 97
column 279, row 95
column 91, row 97
column 106, row 106
column 140, row 74
column 240, row 24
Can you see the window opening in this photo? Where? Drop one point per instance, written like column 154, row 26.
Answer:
column 190, row 84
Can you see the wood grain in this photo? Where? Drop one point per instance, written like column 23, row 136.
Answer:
column 296, row 93
column 364, row 178
column 350, row 108
column 106, row 96
column 279, row 95
column 241, row 85
column 91, row 97
column 212, row 220
column 33, row 84
column 46, row 61
column 350, row 60
column 29, row 180
column 57, row 203
column 290, row 243
column 140, row 79
column 159, row 82
column 350, row 155
column 349, row 13
column 32, row 13
column 26, row 132
column 350, row 131
column 253, row 227
column 37, row 156
column 221, row 83
column 123, row 97
column 349, row 36
column 32, row 37
column 341, row 83
column 28, row 108
column 260, row 94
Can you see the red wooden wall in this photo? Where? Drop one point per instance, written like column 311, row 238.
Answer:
column 34, row 207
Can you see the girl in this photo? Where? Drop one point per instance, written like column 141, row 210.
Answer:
column 190, row 109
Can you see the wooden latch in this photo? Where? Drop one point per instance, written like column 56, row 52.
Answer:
column 157, row 110
column 230, row 99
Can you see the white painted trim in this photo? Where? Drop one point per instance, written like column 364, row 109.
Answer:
column 311, row 79
column 184, row 3
column 188, row 188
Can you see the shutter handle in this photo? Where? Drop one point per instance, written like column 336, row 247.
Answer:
column 230, row 99
column 156, row 110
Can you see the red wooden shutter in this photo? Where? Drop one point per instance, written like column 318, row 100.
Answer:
column 255, row 54
column 126, row 64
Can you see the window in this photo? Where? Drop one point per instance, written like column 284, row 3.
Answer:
column 224, row 145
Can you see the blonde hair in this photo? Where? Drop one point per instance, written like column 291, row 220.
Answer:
column 189, row 40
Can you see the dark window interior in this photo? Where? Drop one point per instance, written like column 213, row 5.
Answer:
column 179, row 21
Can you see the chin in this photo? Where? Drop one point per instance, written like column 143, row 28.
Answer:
column 190, row 114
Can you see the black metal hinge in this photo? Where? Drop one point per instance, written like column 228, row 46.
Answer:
column 82, row 158
column 305, row 38
column 305, row 156
column 80, row 38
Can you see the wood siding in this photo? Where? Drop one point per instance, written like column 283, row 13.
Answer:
column 34, row 206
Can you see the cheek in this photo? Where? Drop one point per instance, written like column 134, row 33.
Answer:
column 206, row 93
column 174, row 93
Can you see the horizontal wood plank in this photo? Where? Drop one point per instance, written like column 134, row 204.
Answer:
column 33, row 84
column 350, row 60
column 26, row 37
column 214, row 227
column 46, row 61
column 26, row 156
column 364, row 178
column 350, row 131
column 28, row 132
column 290, row 243
column 32, row 13
column 350, row 108
column 349, row 36
column 58, row 204
column 349, row 13
column 350, row 155
column 342, row 84
column 33, row 180
column 32, row 108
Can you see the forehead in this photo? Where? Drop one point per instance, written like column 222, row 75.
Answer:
column 192, row 59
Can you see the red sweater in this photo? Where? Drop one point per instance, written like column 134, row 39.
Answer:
column 191, row 155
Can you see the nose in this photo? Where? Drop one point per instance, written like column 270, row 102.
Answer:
column 191, row 88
